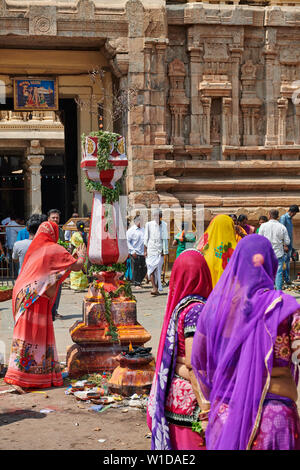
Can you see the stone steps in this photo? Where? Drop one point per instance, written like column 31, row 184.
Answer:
column 214, row 200
column 202, row 165
column 245, row 184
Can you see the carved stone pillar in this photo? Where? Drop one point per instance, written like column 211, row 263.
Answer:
column 226, row 120
column 282, row 110
column 148, row 51
column 178, row 101
column 160, row 136
column 297, row 119
column 236, row 52
column 34, row 157
column 206, row 103
column 196, row 136
column 270, row 55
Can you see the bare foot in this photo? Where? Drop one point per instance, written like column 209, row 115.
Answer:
column 19, row 389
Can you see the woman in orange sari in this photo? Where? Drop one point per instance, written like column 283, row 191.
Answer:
column 33, row 360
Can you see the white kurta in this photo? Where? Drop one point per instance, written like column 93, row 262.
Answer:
column 156, row 241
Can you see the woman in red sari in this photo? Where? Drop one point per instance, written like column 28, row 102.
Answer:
column 33, row 361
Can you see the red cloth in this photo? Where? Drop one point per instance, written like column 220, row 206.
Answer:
column 45, row 264
column 190, row 275
column 184, row 438
column 33, row 360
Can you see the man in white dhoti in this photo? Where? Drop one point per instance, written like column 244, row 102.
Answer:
column 155, row 247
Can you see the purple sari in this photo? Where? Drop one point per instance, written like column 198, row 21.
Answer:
column 233, row 345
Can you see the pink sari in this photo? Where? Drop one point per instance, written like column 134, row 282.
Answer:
column 33, row 361
column 190, row 285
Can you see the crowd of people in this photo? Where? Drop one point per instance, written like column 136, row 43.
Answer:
column 227, row 363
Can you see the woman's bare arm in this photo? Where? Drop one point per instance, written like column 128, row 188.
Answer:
column 203, row 404
column 81, row 257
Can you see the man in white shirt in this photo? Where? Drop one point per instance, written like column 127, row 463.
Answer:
column 278, row 235
column 135, row 242
column 156, row 246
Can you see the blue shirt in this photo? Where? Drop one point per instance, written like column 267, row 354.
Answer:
column 286, row 220
column 23, row 234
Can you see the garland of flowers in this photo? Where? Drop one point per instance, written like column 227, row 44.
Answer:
column 115, row 267
column 111, row 194
column 105, row 141
column 112, row 329
column 108, row 298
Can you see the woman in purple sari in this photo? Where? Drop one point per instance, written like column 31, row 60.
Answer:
column 174, row 402
column 245, row 355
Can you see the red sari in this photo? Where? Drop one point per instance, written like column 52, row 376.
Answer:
column 33, row 361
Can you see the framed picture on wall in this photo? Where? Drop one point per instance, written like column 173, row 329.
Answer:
column 38, row 93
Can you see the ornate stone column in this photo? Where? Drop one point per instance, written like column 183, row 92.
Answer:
column 236, row 53
column 270, row 55
column 206, row 103
column 282, row 110
column 196, row 136
column 226, row 124
column 34, row 157
column 297, row 118
column 178, row 101
column 160, row 136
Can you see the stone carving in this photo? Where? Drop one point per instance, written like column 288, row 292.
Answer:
column 290, row 56
column 215, row 52
column 42, row 21
column 86, row 9
column 157, row 25
column 178, row 101
column 248, row 70
column 135, row 15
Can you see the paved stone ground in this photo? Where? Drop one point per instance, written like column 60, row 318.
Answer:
column 72, row 426
column 150, row 312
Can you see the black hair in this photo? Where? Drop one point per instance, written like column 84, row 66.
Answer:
column 242, row 217
column 80, row 225
column 263, row 217
column 53, row 211
column 294, row 209
column 274, row 213
column 33, row 224
column 43, row 218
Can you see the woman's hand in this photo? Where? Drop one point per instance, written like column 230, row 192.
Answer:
column 81, row 251
column 81, row 257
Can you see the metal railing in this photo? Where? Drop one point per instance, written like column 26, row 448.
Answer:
column 8, row 268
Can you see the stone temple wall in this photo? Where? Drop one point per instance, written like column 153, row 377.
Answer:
column 216, row 118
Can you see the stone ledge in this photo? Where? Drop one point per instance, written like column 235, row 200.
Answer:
column 262, row 184
column 226, row 164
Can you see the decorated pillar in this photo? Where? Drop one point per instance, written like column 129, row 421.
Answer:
column 270, row 56
column 282, row 110
column 236, row 52
column 178, row 101
column 109, row 309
